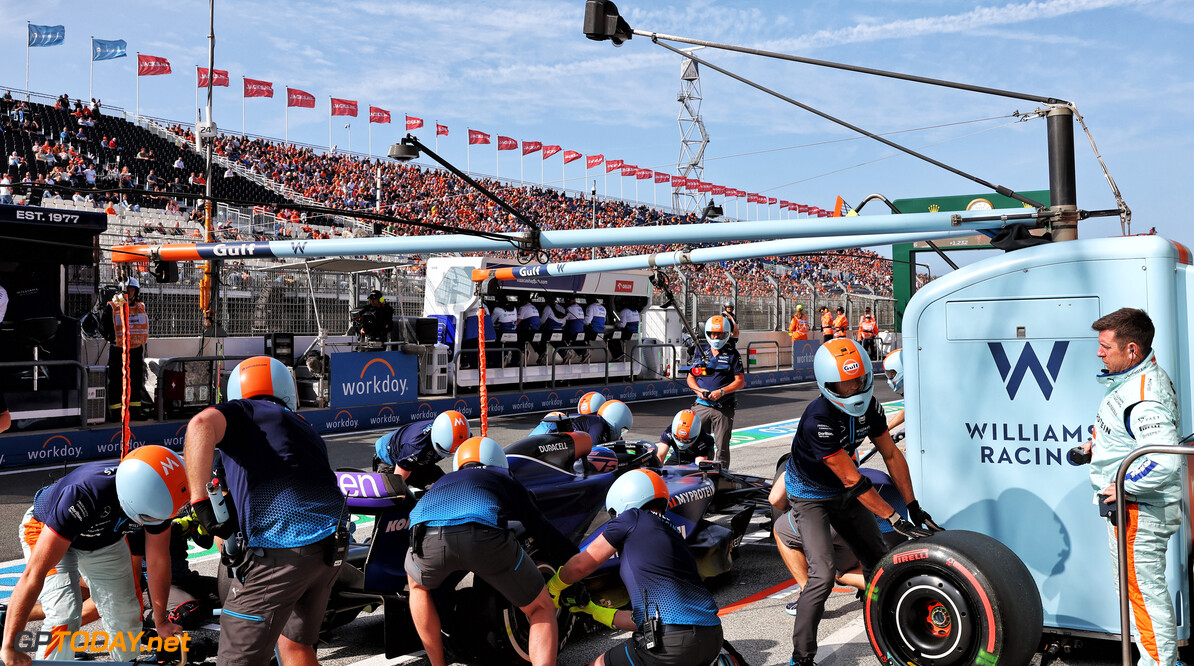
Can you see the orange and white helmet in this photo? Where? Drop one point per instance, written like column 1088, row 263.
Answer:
column 590, row 402
column 686, row 427
column 841, row 360
column 634, row 490
column 481, row 451
column 617, row 415
column 151, row 484
column 263, row 376
column 717, row 331
column 448, row 431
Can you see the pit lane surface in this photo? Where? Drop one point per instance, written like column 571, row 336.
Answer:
column 752, row 596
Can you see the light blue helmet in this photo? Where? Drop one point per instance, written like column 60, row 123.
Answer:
column 634, row 490
column 617, row 415
column 480, row 450
column 717, row 331
column 448, row 431
column 686, row 427
column 893, row 367
column 151, row 484
column 840, row 360
column 263, row 376
column 590, row 402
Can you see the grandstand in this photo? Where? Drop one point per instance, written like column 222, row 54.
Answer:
column 159, row 163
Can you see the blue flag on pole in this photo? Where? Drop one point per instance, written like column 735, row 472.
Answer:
column 46, row 35
column 107, row 49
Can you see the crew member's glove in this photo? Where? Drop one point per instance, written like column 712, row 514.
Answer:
column 206, row 515
column 600, row 613
column 187, row 526
column 554, row 587
column 901, row 525
column 922, row 518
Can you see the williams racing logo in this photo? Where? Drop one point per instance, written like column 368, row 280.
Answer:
column 1013, row 377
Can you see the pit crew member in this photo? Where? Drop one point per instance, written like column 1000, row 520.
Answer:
column 673, row 616
column 826, row 489
column 287, row 532
column 715, row 386
column 76, row 528
column 461, row 524
column 413, row 450
column 685, row 439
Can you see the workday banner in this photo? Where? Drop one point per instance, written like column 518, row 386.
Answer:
column 372, row 378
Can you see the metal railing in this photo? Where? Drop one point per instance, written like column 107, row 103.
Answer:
column 59, row 363
column 1121, row 544
column 672, row 368
column 178, row 360
column 762, row 343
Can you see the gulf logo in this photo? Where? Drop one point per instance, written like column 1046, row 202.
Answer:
column 851, row 367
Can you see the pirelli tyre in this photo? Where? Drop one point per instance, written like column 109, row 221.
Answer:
column 956, row 597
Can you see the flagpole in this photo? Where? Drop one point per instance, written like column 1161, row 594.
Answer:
column 91, row 72
column 563, row 176
column 197, row 87
column 27, row 29
column 436, row 137
column 370, row 138
column 286, row 119
column 522, row 169
column 541, row 161
column 137, row 113
column 329, row 125
column 497, row 171
column 242, row 106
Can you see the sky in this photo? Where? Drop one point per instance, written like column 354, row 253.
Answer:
column 525, row 70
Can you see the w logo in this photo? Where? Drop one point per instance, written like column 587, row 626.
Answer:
column 1028, row 361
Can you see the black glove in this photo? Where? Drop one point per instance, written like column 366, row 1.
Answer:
column 922, row 518
column 901, row 525
column 207, row 518
column 575, row 595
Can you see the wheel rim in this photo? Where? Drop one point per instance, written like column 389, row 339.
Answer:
column 518, row 627
column 932, row 619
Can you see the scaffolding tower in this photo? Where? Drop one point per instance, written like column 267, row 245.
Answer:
column 693, row 137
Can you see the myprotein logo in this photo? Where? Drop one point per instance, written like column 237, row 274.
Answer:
column 380, row 383
column 1045, row 375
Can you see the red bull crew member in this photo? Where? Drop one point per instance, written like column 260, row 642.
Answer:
column 76, row 528
column 685, row 439
column 461, row 524
column 1139, row 409
column 826, row 489
column 289, row 515
column 714, row 388
column 414, row 450
column 673, row 616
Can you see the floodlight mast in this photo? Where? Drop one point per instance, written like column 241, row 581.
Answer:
column 603, row 22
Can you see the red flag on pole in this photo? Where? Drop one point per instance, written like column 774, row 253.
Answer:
column 692, row 183
column 679, row 181
column 705, row 187
column 613, row 165
column 661, row 177
column 413, row 122
column 548, row 151
column 529, row 147
column 255, row 88
column 220, row 80
column 629, row 170
column 477, row 136
column 571, row 156
column 441, row 130
column 771, row 201
column 719, row 189
column 296, row 97
column 644, row 174
column 593, row 160
column 344, row 107
column 506, row 143
column 382, row 116
column 152, row 65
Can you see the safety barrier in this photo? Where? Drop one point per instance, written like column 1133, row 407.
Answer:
column 767, row 343
column 178, row 360
column 59, row 363
column 1121, row 546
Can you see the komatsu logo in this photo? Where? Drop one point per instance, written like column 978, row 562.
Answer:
column 1028, row 362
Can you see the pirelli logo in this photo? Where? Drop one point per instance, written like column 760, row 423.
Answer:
column 911, row 556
